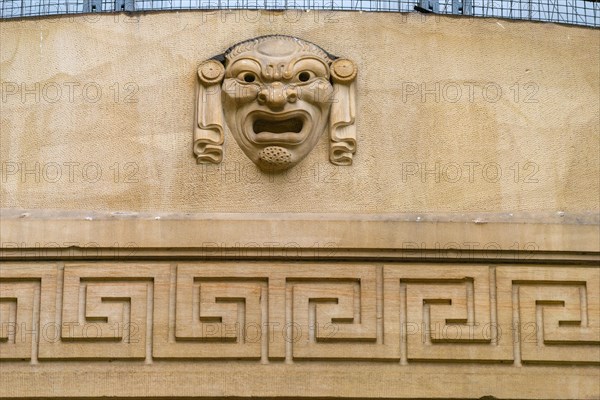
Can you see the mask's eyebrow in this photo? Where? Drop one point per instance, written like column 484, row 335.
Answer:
column 311, row 63
column 243, row 64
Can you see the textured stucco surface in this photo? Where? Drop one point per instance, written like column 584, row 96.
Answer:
column 541, row 133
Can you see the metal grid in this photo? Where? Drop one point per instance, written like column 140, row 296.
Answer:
column 577, row 12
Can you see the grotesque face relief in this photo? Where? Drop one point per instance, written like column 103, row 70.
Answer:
column 277, row 94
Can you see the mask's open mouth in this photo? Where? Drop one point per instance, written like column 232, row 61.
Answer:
column 291, row 125
column 278, row 128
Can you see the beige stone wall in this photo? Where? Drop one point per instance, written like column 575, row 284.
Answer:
column 503, row 115
column 457, row 258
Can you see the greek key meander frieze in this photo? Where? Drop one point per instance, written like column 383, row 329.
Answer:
column 293, row 312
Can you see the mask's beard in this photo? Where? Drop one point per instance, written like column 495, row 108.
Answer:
column 275, row 158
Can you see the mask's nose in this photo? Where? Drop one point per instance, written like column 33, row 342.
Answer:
column 276, row 95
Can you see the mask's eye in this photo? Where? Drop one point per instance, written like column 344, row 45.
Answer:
column 247, row 77
column 305, row 76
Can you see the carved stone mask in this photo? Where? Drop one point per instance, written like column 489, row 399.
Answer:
column 277, row 94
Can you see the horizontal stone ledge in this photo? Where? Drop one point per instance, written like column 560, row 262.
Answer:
column 298, row 254
column 324, row 380
column 558, row 217
column 377, row 235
